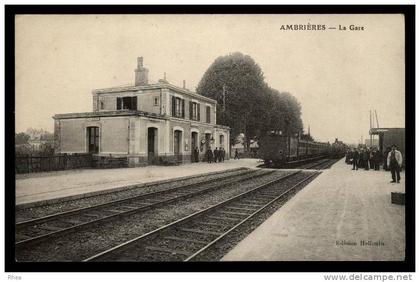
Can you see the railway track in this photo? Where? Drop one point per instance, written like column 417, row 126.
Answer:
column 304, row 164
column 320, row 164
column 34, row 231
column 191, row 236
column 324, row 164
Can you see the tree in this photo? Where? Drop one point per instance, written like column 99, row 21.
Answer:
column 21, row 138
column 244, row 84
column 252, row 107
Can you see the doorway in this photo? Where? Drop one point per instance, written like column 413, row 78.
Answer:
column 93, row 139
column 152, row 145
column 194, row 145
column 177, row 142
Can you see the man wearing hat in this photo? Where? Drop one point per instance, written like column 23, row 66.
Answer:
column 394, row 162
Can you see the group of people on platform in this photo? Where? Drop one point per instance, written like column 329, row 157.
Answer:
column 218, row 155
column 371, row 158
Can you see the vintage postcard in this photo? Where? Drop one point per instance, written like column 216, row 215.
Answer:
column 212, row 137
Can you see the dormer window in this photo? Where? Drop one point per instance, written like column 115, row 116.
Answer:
column 127, row 103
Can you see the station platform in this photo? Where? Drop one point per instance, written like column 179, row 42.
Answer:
column 342, row 215
column 47, row 186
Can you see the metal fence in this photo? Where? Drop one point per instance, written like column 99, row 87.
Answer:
column 30, row 164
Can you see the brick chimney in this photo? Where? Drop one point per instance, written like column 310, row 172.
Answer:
column 142, row 74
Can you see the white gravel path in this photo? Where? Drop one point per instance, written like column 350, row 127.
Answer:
column 339, row 208
column 44, row 186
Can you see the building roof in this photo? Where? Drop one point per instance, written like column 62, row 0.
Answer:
column 124, row 113
column 107, row 114
column 376, row 131
column 160, row 85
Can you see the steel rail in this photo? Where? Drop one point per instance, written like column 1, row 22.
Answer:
column 319, row 164
column 187, row 218
column 136, row 210
column 74, row 211
column 249, row 217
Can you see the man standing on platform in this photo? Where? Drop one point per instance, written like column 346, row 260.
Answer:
column 371, row 162
column 376, row 158
column 388, row 149
column 216, row 155
column 365, row 157
column 355, row 156
column 209, row 155
column 394, row 162
column 236, row 154
column 196, row 154
column 223, row 154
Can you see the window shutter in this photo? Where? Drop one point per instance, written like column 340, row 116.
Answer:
column 183, row 108
column 134, row 103
column 191, row 110
column 173, row 106
column 198, row 112
column 119, row 99
column 208, row 114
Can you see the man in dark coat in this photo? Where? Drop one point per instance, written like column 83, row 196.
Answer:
column 376, row 158
column 209, row 155
column 365, row 157
column 348, row 156
column 361, row 163
column 216, row 155
column 355, row 157
column 223, row 154
column 371, row 164
column 196, row 154
column 236, row 154
column 385, row 156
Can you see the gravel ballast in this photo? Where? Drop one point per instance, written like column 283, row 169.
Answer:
column 83, row 244
column 132, row 191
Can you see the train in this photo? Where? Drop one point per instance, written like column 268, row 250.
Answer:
column 277, row 149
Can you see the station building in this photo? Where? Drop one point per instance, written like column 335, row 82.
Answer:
column 147, row 123
column 389, row 137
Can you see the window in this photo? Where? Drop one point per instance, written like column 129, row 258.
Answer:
column 222, row 141
column 178, row 107
column 102, row 105
column 194, row 111
column 93, row 139
column 208, row 114
column 126, row 103
column 156, row 101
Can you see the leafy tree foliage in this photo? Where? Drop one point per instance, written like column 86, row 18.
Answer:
column 252, row 107
column 21, row 138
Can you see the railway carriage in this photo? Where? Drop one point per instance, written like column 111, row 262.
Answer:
column 278, row 149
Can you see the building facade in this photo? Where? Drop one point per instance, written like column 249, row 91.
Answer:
column 389, row 137
column 147, row 123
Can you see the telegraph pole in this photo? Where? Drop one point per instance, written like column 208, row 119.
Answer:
column 370, row 129
column 224, row 97
column 224, row 103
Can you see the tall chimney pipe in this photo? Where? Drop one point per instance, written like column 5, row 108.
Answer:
column 142, row 73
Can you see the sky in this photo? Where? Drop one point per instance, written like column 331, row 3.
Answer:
column 338, row 76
